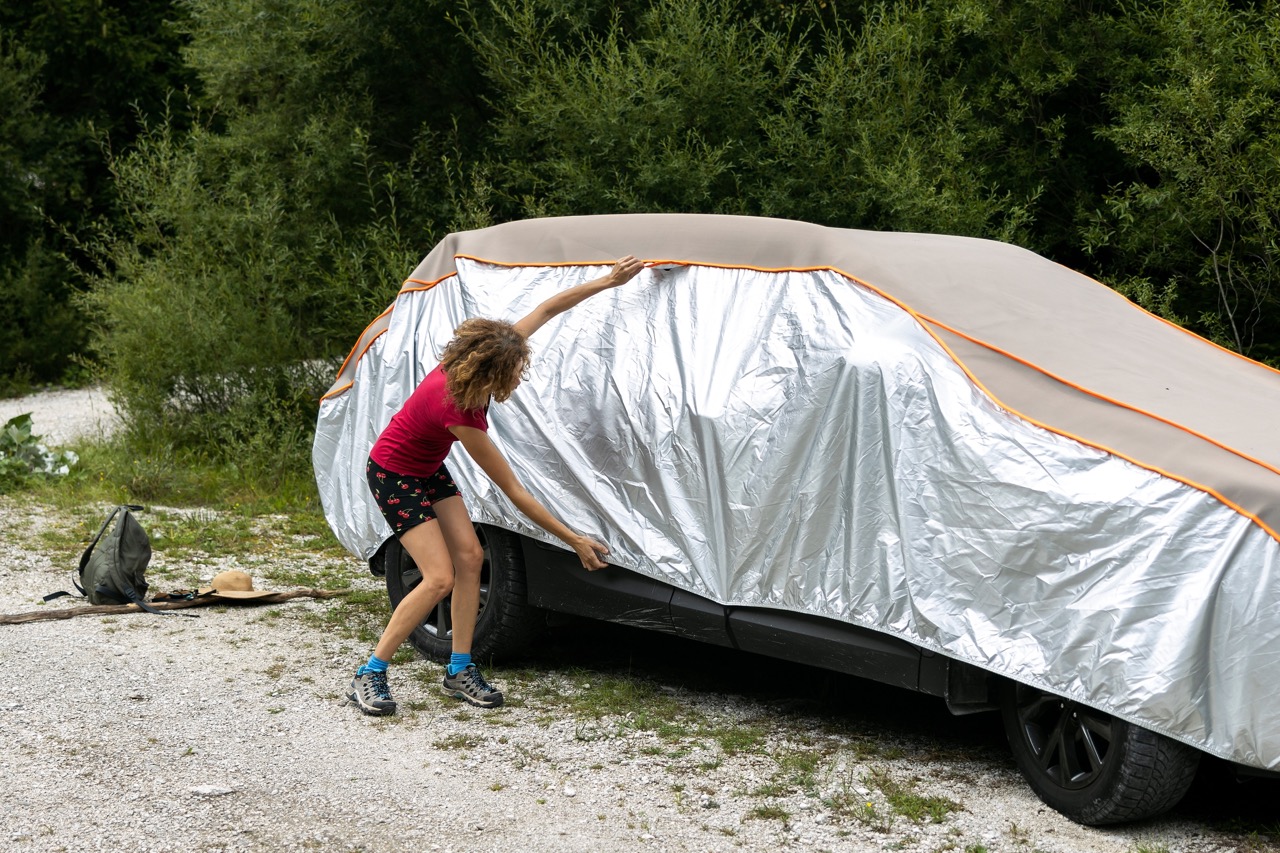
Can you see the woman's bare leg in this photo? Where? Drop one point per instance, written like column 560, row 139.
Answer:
column 426, row 545
column 459, row 535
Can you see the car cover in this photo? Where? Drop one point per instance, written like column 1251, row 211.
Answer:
column 949, row 440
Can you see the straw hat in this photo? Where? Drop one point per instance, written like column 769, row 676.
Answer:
column 236, row 584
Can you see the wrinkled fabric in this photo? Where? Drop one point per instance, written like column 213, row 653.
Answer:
column 794, row 440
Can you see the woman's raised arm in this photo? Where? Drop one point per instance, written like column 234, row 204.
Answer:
column 623, row 271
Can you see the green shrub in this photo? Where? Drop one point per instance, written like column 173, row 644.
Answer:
column 1197, row 108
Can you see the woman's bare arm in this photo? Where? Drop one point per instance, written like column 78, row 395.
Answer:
column 623, row 271
column 486, row 454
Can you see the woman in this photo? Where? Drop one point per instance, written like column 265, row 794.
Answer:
column 485, row 360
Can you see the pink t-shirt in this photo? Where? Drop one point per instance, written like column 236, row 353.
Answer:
column 418, row 439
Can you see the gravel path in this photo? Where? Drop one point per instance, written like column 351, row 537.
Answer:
column 63, row 416
column 230, row 732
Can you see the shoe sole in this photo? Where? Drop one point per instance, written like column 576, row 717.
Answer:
column 371, row 710
column 458, row 694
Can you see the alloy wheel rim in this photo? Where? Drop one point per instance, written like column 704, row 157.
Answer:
column 1069, row 741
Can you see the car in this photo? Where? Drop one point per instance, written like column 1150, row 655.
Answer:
column 943, row 463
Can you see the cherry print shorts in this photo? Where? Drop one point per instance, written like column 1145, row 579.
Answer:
column 406, row 501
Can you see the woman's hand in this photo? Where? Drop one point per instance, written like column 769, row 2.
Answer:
column 590, row 552
column 623, row 271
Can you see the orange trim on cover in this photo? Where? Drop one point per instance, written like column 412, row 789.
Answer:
column 924, row 324
column 1104, row 397
column 426, row 285
column 1168, row 323
column 336, row 391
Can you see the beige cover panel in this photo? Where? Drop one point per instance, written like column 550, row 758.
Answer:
column 1054, row 346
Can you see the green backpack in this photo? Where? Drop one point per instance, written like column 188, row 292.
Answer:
column 112, row 567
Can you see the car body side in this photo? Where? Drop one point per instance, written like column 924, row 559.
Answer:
column 777, row 449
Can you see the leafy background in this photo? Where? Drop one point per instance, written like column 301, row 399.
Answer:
column 203, row 202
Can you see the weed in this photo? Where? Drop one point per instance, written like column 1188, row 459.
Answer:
column 904, row 800
column 457, row 742
column 737, row 739
column 773, row 789
column 1018, row 835
column 799, row 769
column 768, row 813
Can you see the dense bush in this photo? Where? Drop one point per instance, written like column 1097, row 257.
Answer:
column 76, row 76
column 252, row 248
column 332, row 142
column 1196, row 230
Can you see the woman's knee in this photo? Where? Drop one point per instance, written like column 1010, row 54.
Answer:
column 468, row 560
column 438, row 581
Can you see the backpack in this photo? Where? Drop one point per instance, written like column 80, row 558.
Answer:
column 112, row 568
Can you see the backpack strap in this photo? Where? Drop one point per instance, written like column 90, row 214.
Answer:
column 133, row 596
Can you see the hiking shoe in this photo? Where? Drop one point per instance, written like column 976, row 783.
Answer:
column 470, row 685
column 371, row 693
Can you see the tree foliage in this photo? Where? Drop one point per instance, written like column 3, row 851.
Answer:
column 329, row 143
column 75, row 76
column 1196, row 228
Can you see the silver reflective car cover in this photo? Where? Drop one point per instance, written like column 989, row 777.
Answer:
column 797, row 439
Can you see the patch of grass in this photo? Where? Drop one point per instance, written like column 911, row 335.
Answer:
column 799, row 768
column 852, row 804
column 738, row 739
column 772, row 789
column 526, row 756
column 457, row 742
column 904, row 800
column 636, row 703
column 768, row 813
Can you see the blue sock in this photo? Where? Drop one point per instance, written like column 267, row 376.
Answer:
column 457, row 663
column 375, row 664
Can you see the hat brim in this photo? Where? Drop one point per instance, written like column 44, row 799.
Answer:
column 241, row 595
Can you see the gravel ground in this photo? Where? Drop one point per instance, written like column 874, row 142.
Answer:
column 231, row 732
column 63, row 416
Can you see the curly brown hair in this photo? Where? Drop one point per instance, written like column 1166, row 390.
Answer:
column 486, row 358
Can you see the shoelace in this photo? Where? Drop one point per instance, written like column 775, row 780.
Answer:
column 378, row 681
column 477, row 680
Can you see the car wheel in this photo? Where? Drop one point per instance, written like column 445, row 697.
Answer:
column 1094, row 768
column 505, row 623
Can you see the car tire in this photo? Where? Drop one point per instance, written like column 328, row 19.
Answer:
column 1092, row 767
column 505, row 623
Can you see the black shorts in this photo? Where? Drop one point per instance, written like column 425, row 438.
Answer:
column 405, row 501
